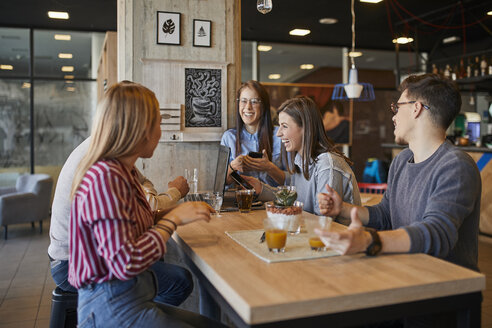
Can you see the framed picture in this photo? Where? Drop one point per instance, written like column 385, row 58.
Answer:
column 202, row 30
column 168, row 28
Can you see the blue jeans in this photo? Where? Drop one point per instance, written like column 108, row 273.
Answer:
column 175, row 283
column 129, row 303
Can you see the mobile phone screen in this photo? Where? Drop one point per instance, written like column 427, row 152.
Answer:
column 255, row 154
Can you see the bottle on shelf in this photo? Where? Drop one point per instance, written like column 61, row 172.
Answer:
column 447, row 72
column 469, row 68
column 454, row 73
column 462, row 74
column 483, row 66
column 490, row 66
column 434, row 69
column 476, row 67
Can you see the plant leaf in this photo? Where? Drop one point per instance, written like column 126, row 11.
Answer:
column 168, row 26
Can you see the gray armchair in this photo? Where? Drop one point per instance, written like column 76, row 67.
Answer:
column 29, row 201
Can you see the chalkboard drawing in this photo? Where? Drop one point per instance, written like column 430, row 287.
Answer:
column 203, row 97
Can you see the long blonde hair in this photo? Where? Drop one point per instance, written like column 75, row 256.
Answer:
column 123, row 118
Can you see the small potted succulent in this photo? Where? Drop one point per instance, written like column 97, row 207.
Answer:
column 285, row 207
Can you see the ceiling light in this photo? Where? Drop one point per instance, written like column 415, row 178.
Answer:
column 26, row 85
column 263, row 47
column 403, row 40
column 65, row 56
column 274, row 76
column 63, row 37
column 299, row 32
column 71, row 89
column 58, row 14
column 264, row 6
column 69, row 81
column 68, row 77
column 354, row 54
column 6, row 67
column 451, row 39
column 328, row 20
column 489, row 13
column 67, row 68
column 371, row 1
column 306, row 66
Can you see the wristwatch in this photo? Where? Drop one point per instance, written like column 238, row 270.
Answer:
column 375, row 246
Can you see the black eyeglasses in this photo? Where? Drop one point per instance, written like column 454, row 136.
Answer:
column 396, row 106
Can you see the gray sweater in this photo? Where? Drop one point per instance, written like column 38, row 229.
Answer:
column 436, row 201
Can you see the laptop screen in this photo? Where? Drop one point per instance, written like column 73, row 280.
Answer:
column 221, row 171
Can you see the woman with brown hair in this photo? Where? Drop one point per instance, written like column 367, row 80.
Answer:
column 254, row 132
column 314, row 159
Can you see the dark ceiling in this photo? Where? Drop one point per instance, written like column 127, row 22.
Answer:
column 376, row 24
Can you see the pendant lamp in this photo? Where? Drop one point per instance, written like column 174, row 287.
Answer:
column 358, row 91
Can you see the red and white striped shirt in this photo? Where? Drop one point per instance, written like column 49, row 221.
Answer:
column 110, row 227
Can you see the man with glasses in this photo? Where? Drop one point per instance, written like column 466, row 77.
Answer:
column 432, row 204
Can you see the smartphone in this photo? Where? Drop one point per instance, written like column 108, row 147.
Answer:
column 255, row 154
column 240, row 181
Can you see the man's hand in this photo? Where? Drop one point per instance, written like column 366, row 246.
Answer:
column 181, row 184
column 330, row 203
column 351, row 241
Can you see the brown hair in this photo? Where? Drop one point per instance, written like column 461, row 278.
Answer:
column 123, row 118
column 305, row 113
column 265, row 125
column 330, row 106
column 440, row 94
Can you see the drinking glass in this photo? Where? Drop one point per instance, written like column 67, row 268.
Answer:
column 192, row 176
column 219, row 198
column 275, row 234
column 244, row 200
column 321, row 223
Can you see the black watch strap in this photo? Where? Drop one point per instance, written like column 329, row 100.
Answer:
column 376, row 246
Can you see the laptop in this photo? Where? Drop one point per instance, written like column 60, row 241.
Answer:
column 220, row 175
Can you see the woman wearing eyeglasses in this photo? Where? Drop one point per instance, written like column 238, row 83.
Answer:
column 254, row 132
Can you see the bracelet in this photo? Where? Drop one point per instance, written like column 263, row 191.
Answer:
column 165, row 228
column 172, row 222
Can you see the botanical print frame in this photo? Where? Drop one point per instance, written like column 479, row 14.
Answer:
column 202, row 33
column 203, row 97
column 168, row 28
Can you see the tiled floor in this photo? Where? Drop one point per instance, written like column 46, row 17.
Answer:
column 26, row 284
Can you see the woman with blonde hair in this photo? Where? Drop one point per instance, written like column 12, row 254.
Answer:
column 114, row 235
column 315, row 161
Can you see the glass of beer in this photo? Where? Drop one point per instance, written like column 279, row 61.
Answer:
column 321, row 223
column 276, row 234
column 244, row 200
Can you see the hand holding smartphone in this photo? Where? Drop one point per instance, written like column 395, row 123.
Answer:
column 255, row 154
column 240, row 181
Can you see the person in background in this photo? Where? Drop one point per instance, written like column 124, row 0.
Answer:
column 176, row 282
column 432, row 203
column 337, row 126
column 316, row 161
column 115, row 236
column 254, row 132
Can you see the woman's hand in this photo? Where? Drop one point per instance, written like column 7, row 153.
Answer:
column 254, row 182
column 189, row 212
column 330, row 203
column 238, row 163
column 262, row 164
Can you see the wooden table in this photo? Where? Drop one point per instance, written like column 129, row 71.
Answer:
column 340, row 290
column 370, row 199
